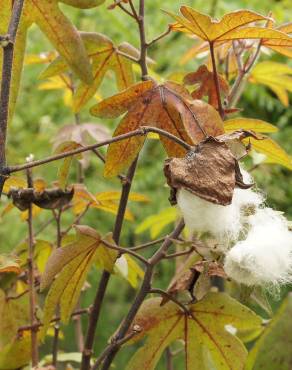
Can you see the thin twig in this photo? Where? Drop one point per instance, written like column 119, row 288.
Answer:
column 170, row 298
column 125, row 10
column 31, row 281
column 55, row 319
column 141, row 295
column 108, row 349
column 98, row 301
column 142, row 131
column 216, row 80
column 124, row 251
column 7, row 64
column 55, row 345
column 169, row 362
column 76, row 221
column 179, row 254
column 130, row 57
column 148, row 244
column 161, row 36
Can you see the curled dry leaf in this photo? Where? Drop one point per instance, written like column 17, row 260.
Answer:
column 47, row 199
column 212, row 268
column 210, row 171
column 169, row 107
column 205, row 79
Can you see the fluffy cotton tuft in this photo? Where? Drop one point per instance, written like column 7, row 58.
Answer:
column 223, row 222
column 265, row 256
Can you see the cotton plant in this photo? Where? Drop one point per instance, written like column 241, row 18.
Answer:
column 253, row 241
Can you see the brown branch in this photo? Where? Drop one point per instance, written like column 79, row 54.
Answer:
column 171, row 298
column 179, row 254
column 142, row 131
column 119, row 343
column 143, row 43
column 148, row 244
column 7, row 64
column 124, row 251
column 31, row 282
column 216, row 80
column 55, row 345
column 76, row 221
column 95, row 313
column 55, row 319
column 141, row 295
column 161, row 36
column 169, row 362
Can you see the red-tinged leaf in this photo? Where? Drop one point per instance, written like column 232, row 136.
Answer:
column 206, row 341
column 168, row 107
column 118, row 104
column 205, row 79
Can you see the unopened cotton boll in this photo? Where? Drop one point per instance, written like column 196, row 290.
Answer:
column 265, row 256
column 222, row 222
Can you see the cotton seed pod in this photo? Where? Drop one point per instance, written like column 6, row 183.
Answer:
column 210, row 171
column 265, row 256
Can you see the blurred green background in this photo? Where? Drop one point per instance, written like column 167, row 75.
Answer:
column 40, row 114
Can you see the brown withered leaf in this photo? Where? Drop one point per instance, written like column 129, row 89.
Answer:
column 169, row 107
column 210, row 171
column 212, row 268
column 47, row 199
column 205, row 79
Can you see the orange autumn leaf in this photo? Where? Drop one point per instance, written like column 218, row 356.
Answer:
column 169, row 107
column 205, row 79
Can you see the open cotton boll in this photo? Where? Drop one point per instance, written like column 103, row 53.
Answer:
column 223, row 222
column 265, row 256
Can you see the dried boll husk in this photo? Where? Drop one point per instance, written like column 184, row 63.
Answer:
column 265, row 257
column 210, row 171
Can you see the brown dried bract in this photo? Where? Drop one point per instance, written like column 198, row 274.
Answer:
column 212, row 268
column 210, row 171
column 48, row 199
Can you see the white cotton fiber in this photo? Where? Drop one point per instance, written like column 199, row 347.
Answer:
column 222, row 222
column 265, row 256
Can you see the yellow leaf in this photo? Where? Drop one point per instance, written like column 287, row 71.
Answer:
column 207, row 343
column 275, row 76
column 272, row 150
column 230, row 27
column 156, row 223
column 41, row 58
column 71, row 264
column 128, row 268
column 252, row 124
